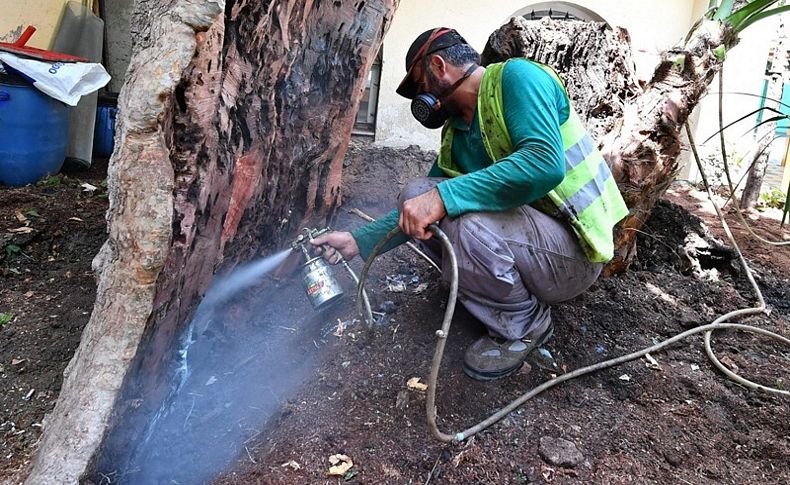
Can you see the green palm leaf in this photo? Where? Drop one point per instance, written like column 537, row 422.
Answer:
column 748, row 10
column 762, row 15
column 724, row 10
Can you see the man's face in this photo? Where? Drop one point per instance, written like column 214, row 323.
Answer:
column 428, row 82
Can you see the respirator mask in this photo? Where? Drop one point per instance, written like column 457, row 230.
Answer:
column 427, row 108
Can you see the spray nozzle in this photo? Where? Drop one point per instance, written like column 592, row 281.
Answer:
column 301, row 243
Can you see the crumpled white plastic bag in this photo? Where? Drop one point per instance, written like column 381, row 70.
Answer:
column 64, row 81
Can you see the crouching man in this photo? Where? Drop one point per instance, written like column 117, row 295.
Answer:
column 519, row 187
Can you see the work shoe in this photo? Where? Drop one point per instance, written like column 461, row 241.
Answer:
column 491, row 358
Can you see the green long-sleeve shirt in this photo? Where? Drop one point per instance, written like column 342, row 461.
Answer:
column 535, row 106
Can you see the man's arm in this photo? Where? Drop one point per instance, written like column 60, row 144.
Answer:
column 420, row 212
column 370, row 234
column 362, row 240
column 535, row 106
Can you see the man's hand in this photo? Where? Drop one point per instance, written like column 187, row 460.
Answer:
column 340, row 244
column 420, row 212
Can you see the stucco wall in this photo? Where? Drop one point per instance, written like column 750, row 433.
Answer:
column 653, row 25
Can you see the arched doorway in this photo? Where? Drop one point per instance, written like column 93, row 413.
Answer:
column 558, row 11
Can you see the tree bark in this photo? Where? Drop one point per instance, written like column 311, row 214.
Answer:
column 643, row 142
column 758, row 164
column 643, row 148
column 234, row 120
column 594, row 62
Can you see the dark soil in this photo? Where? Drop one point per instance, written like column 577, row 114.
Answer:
column 682, row 423
column 47, row 291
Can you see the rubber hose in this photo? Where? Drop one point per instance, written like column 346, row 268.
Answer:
column 441, row 334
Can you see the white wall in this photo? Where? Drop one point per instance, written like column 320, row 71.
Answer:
column 653, row 24
column 744, row 71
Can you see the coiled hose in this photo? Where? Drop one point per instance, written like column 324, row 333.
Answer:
column 430, row 403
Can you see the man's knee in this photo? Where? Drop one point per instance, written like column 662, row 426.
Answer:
column 473, row 228
column 418, row 186
column 485, row 262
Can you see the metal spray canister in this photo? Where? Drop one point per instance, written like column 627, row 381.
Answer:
column 320, row 284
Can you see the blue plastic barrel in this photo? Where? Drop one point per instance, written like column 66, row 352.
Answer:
column 104, row 132
column 34, row 132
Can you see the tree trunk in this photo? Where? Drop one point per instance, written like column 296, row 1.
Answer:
column 758, row 164
column 232, row 132
column 643, row 145
column 594, row 61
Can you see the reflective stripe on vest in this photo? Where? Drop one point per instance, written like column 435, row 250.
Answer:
column 587, row 197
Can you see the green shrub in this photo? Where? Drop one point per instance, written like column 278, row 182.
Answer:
column 774, row 198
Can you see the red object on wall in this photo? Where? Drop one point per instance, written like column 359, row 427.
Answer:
column 19, row 48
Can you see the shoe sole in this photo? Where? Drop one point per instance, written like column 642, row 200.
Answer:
column 492, row 376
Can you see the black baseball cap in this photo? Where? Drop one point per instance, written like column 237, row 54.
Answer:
column 426, row 44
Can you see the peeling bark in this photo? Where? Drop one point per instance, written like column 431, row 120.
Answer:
column 232, row 131
column 643, row 149
column 594, row 62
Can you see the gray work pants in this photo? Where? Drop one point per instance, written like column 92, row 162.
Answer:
column 511, row 265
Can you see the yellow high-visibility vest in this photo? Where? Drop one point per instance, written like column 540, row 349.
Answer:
column 587, row 197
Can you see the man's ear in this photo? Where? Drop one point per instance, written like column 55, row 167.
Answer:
column 439, row 65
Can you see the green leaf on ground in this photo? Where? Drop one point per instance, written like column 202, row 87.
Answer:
column 33, row 214
column 51, row 181
column 5, row 318
column 12, row 250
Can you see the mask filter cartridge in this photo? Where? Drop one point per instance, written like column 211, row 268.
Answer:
column 424, row 109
